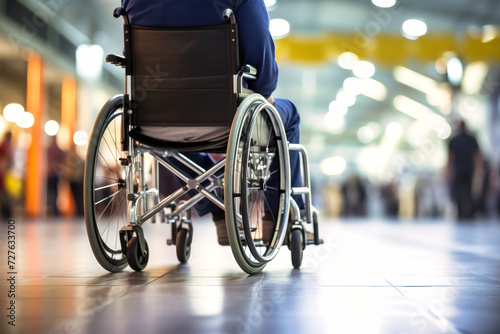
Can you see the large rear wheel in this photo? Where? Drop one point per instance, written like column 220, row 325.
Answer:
column 257, row 184
column 105, row 195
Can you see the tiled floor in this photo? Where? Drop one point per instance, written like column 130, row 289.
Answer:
column 368, row 277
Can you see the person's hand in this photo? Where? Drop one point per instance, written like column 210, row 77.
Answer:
column 271, row 100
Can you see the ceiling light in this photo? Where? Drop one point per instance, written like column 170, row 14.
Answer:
column 473, row 77
column 414, row 28
column 384, row 3
column 51, row 128
column 366, row 134
column 373, row 89
column 12, row 111
column 443, row 130
column 346, row 98
column 440, row 97
column 279, row 28
column 455, row 70
column 337, row 108
column 25, row 120
column 433, row 121
column 363, row 69
column 89, row 61
column 352, row 85
column 369, row 87
column 334, row 122
column 347, row 60
column 414, row 79
column 333, row 166
column 394, row 130
column 416, row 110
column 490, row 32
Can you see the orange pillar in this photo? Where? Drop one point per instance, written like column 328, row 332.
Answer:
column 68, row 110
column 68, row 123
column 35, row 171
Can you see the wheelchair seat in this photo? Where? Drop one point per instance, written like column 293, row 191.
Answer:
column 185, row 93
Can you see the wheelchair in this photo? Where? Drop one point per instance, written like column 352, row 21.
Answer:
column 185, row 93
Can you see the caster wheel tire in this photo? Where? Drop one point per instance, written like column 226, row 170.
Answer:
column 296, row 248
column 135, row 260
column 183, row 245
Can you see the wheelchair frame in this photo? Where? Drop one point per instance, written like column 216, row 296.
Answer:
column 133, row 159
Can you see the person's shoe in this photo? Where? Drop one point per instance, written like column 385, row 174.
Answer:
column 267, row 229
column 220, row 224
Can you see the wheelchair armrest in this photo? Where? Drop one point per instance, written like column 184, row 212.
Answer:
column 116, row 60
column 247, row 72
column 249, row 69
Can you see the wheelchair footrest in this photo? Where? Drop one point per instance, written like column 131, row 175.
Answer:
column 312, row 242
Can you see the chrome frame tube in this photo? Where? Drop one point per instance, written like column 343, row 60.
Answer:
column 156, row 186
column 190, row 184
column 306, row 180
column 186, row 162
column 144, row 189
column 294, row 211
column 171, row 168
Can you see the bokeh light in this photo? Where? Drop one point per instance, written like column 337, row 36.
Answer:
column 51, row 128
column 12, row 112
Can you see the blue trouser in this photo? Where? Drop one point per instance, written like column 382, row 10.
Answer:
column 291, row 120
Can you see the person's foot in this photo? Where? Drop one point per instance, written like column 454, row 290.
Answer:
column 267, row 230
column 220, row 224
column 222, row 237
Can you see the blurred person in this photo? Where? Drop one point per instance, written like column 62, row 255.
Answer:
column 6, row 162
column 427, row 199
column 484, row 191
column 55, row 159
column 354, row 193
column 390, row 198
column 256, row 47
column 74, row 176
column 464, row 163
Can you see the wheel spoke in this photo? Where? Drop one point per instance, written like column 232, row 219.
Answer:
column 107, row 205
column 106, row 177
column 269, row 208
column 109, row 167
column 109, row 148
column 108, row 186
column 112, row 195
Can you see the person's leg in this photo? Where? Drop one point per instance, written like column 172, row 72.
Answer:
column 468, row 198
column 52, row 194
column 291, row 121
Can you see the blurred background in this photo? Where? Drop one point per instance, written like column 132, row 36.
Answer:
column 380, row 84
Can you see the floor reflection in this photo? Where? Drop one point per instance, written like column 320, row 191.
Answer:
column 368, row 277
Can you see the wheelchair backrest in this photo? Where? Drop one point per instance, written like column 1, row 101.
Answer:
column 183, row 77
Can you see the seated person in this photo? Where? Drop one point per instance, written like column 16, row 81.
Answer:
column 256, row 47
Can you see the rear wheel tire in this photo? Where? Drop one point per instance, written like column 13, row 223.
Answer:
column 257, row 184
column 105, row 195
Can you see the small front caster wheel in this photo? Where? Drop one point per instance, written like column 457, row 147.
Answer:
column 183, row 245
column 136, row 260
column 296, row 247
